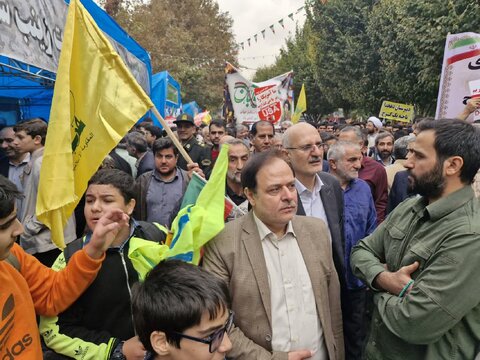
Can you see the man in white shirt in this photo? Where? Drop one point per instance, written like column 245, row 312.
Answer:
column 279, row 267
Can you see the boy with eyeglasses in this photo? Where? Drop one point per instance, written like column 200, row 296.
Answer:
column 182, row 312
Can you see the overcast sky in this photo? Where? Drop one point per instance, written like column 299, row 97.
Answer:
column 252, row 16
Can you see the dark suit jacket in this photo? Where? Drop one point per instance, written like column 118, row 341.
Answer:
column 399, row 190
column 4, row 166
column 236, row 255
column 332, row 198
column 147, row 163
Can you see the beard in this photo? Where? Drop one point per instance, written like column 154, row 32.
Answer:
column 234, row 177
column 430, row 185
column 384, row 155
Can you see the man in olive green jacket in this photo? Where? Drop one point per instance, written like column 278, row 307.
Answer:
column 422, row 262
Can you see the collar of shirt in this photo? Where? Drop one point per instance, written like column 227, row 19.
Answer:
column 157, row 177
column 265, row 232
column 446, row 205
column 137, row 163
column 350, row 185
column 25, row 161
column 316, row 189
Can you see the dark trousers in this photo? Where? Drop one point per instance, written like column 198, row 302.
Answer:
column 355, row 323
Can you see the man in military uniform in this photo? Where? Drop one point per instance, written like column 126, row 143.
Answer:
column 199, row 153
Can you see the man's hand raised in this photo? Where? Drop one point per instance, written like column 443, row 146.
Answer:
column 394, row 282
column 106, row 229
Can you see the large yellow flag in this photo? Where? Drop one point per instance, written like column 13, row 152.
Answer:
column 301, row 105
column 95, row 102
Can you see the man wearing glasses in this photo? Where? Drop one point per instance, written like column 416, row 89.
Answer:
column 320, row 196
column 182, row 312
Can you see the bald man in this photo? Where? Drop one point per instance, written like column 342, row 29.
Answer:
column 320, row 196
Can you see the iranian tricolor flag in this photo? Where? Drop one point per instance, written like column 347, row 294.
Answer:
column 460, row 75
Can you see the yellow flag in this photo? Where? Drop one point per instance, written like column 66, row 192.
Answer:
column 194, row 226
column 96, row 101
column 301, row 105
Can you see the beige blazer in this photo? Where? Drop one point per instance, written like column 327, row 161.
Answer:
column 236, row 255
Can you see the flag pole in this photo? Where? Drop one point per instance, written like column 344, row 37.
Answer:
column 172, row 136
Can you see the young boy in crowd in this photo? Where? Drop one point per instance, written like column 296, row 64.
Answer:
column 99, row 324
column 182, row 312
column 29, row 288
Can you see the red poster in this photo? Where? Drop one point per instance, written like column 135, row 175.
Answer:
column 268, row 103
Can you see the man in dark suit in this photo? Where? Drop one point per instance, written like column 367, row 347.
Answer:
column 138, row 148
column 400, row 190
column 320, row 196
column 279, row 267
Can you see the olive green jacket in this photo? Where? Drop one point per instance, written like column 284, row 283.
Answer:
column 440, row 317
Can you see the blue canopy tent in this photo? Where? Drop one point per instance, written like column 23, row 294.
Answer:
column 191, row 108
column 166, row 94
column 26, row 91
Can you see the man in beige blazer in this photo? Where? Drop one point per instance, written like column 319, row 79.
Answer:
column 279, row 267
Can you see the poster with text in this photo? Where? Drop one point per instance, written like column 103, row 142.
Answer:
column 250, row 102
column 461, row 70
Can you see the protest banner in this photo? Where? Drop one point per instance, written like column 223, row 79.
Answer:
column 475, row 94
column 274, row 101
column 396, row 111
column 32, row 32
column 460, row 71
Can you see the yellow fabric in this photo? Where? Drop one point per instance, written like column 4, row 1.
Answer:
column 192, row 228
column 301, row 105
column 95, row 102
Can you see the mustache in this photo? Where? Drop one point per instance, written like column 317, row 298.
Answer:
column 292, row 203
column 314, row 158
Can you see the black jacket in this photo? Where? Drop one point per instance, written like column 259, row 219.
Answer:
column 332, row 198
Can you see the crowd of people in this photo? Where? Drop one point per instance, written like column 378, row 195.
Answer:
column 350, row 240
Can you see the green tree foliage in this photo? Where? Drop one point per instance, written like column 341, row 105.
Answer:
column 357, row 53
column 298, row 55
column 410, row 38
column 190, row 38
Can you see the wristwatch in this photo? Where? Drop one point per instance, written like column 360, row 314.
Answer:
column 117, row 352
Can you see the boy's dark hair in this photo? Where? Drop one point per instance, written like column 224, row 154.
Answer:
column 154, row 130
column 33, row 127
column 454, row 137
column 253, row 130
column 8, row 194
column 173, row 298
column 255, row 164
column 217, row 123
column 164, row 143
column 118, row 179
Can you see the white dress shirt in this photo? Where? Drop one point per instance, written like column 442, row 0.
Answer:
column 295, row 321
column 312, row 202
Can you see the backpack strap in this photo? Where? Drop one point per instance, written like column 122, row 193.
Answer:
column 152, row 231
column 72, row 248
column 13, row 260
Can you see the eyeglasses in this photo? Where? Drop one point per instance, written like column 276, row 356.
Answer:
column 215, row 340
column 308, row 147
